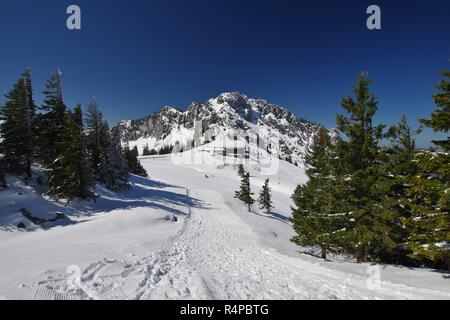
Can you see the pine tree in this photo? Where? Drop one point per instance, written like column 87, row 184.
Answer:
column 17, row 127
column 50, row 124
column 317, row 218
column 97, row 135
column 165, row 150
column 244, row 194
column 146, row 151
column 2, row 176
column 241, row 170
column 363, row 183
column 105, row 151
column 133, row 162
column 400, row 167
column 113, row 167
column 440, row 118
column 428, row 202
column 265, row 198
column 403, row 147
column 70, row 174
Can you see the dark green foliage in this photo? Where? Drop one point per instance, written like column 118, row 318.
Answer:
column 244, row 194
column 440, row 118
column 133, row 162
column 363, row 180
column 97, row 135
column 73, row 158
column 428, row 202
column 113, row 167
column 2, row 176
column 17, row 127
column 265, row 198
column 105, row 151
column 165, row 150
column 70, row 174
column 146, row 151
column 50, row 124
column 383, row 204
column 317, row 218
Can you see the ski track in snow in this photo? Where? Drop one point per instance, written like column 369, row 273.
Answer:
column 217, row 256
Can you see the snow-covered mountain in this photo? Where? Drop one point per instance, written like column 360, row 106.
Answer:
column 230, row 114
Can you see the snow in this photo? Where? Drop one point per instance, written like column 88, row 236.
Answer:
column 127, row 223
column 126, row 249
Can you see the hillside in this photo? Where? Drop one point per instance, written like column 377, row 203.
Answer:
column 125, row 248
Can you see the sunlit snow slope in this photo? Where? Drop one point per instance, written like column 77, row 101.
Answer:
column 224, row 252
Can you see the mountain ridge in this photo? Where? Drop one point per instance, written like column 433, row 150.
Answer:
column 231, row 114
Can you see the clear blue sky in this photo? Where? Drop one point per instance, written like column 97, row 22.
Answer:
column 136, row 56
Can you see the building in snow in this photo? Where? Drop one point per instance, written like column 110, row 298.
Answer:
column 227, row 148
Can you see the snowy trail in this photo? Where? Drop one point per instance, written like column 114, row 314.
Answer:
column 218, row 256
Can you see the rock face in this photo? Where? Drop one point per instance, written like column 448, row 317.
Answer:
column 231, row 114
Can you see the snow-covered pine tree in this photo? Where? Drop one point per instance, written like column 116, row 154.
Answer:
column 265, row 198
column 133, row 162
column 317, row 218
column 17, row 127
column 363, row 187
column 400, row 167
column 428, row 201
column 70, row 174
column 440, row 118
column 50, row 124
column 244, row 194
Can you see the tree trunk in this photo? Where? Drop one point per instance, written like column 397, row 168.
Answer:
column 29, row 173
column 249, row 209
column 361, row 254
column 2, row 181
column 323, row 252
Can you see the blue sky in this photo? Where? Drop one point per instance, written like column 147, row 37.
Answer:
column 136, row 56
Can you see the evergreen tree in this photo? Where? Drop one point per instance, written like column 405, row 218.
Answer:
column 70, row 174
column 97, row 135
column 165, row 150
column 50, row 124
column 422, row 180
column 317, row 218
column 146, row 151
column 428, row 202
column 133, row 162
column 400, row 164
column 265, row 198
column 244, row 194
column 17, row 127
column 363, row 183
column 440, row 118
column 402, row 151
column 241, row 170
column 2, row 175
column 113, row 167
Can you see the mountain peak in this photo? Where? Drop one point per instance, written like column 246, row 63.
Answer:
column 230, row 113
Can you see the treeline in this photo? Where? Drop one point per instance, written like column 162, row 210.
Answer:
column 371, row 194
column 162, row 151
column 77, row 150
